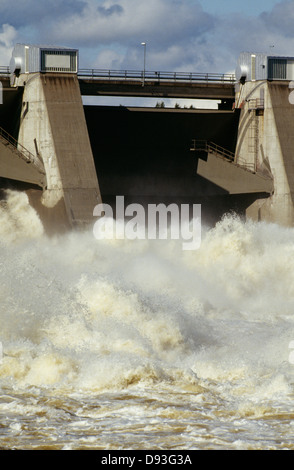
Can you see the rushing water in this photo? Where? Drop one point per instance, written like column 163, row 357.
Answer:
column 140, row 345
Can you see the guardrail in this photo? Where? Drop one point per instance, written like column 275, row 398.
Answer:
column 210, row 147
column 205, row 146
column 148, row 75
column 12, row 141
column 156, row 76
column 21, row 150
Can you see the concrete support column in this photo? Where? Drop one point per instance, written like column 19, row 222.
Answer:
column 272, row 151
column 53, row 126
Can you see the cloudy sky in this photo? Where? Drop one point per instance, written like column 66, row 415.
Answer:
column 181, row 35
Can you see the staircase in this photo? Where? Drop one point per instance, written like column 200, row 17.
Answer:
column 222, row 168
column 210, row 147
column 18, row 163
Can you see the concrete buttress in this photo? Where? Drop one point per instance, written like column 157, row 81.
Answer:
column 266, row 139
column 53, row 126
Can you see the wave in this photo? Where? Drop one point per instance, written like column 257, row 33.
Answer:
column 78, row 313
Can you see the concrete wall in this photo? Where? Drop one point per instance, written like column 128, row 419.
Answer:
column 266, row 139
column 53, row 124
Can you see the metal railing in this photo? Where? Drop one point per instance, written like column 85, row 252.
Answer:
column 210, row 147
column 206, row 146
column 156, row 76
column 25, row 154
column 4, row 70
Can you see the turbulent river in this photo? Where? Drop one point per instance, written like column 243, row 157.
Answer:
column 118, row 344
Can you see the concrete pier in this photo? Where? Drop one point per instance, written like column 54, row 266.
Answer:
column 53, row 126
column 266, row 140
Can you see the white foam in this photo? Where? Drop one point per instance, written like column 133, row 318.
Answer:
column 88, row 314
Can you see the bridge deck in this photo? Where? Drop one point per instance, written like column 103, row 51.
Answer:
column 156, row 84
column 93, row 87
column 95, row 82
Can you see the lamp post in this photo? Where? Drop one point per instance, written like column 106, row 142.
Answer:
column 144, row 45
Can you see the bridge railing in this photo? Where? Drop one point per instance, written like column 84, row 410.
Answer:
column 147, row 75
column 156, row 76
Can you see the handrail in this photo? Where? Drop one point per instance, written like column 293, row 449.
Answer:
column 206, row 146
column 20, row 149
column 156, row 75
column 148, row 75
column 12, row 141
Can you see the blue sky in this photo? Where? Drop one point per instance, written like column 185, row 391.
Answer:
column 181, row 35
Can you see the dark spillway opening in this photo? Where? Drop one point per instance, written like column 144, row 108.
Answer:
column 144, row 155
column 11, row 110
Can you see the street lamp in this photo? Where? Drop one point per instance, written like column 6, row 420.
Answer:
column 144, row 45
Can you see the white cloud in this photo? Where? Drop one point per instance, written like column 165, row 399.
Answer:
column 108, row 59
column 37, row 12
column 7, row 39
column 180, row 35
column 256, row 34
column 280, row 19
column 129, row 21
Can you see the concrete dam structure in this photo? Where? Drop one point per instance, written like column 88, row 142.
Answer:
column 69, row 157
column 265, row 136
column 52, row 128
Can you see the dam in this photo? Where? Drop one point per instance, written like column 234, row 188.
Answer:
column 68, row 157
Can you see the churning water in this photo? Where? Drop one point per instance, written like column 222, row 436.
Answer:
column 121, row 344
